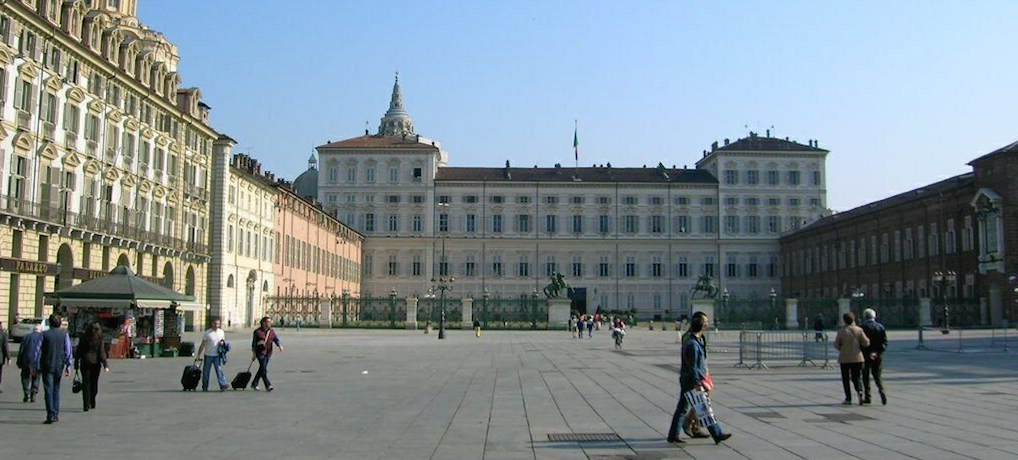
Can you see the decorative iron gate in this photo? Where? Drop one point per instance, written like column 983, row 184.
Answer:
column 429, row 311
column 896, row 313
column 369, row 312
column 522, row 313
column 286, row 311
column 749, row 314
column 810, row 309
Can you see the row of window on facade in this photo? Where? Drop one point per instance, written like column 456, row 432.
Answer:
column 580, row 224
column 98, row 199
column 772, row 177
column 305, row 256
column 334, row 198
column 962, row 288
column 395, row 175
column 109, row 44
column 888, row 247
column 251, row 201
column 606, row 267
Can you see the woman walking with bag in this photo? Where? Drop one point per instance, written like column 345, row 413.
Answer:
column 849, row 342
column 693, row 377
column 89, row 358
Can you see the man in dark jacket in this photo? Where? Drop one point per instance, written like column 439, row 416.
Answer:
column 873, row 355
column 28, row 354
column 5, row 353
column 53, row 358
column 261, row 349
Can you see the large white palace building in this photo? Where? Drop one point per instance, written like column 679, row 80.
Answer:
column 624, row 237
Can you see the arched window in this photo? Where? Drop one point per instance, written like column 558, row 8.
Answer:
column 229, row 281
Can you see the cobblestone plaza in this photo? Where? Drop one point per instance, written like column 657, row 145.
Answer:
column 406, row 395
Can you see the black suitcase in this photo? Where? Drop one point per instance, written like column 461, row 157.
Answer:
column 191, row 377
column 242, row 379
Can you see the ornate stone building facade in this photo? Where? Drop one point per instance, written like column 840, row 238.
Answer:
column 242, row 237
column 624, row 237
column 104, row 161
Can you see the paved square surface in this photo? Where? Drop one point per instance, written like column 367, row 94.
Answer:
column 405, row 395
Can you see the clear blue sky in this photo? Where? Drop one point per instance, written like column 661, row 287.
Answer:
column 902, row 93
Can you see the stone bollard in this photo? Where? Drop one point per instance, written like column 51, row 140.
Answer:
column 792, row 314
column 411, row 313
column 468, row 314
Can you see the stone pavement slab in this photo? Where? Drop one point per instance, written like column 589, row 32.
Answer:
column 362, row 394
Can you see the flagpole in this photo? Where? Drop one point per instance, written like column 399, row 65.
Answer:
column 576, row 147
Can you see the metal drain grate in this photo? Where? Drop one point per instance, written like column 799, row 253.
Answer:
column 583, row 437
column 843, row 417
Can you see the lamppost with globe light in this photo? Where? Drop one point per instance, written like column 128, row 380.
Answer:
column 443, row 284
column 944, row 279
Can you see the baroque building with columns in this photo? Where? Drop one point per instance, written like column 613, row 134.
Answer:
column 624, row 237
column 104, row 159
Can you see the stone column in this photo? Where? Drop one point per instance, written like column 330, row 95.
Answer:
column 844, row 306
column 468, row 313
column 558, row 313
column 411, row 313
column 792, row 314
column 925, row 312
column 707, row 307
column 325, row 314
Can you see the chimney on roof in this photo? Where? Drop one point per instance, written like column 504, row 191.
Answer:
column 609, row 165
column 366, row 132
column 726, row 142
column 558, row 165
column 713, row 146
column 786, row 138
column 768, row 133
column 816, row 143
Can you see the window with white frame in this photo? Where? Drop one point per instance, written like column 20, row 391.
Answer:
column 577, row 266
column 496, row 265
column 550, row 267
column 470, row 266
column 603, row 266
column 630, row 266
column 523, row 269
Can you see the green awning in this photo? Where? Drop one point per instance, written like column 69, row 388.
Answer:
column 120, row 288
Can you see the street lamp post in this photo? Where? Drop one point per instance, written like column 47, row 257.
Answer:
column 484, row 307
column 392, row 307
column 725, row 297
column 443, row 284
column 944, row 279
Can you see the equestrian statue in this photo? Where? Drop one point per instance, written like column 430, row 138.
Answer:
column 705, row 286
column 557, row 288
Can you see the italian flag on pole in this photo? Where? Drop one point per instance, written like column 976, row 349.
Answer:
column 576, row 143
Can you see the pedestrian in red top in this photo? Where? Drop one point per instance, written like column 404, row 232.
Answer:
column 261, row 349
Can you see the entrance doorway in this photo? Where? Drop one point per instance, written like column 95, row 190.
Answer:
column 578, row 300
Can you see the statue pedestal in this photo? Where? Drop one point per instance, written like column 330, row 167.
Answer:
column 706, row 306
column 558, row 313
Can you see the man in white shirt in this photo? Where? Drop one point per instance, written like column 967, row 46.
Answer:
column 211, row 340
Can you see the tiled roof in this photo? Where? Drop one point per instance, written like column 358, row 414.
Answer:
column 1010, row 148
column 379, row 142
column 767, row 144
column 566, row 174
column 922, row 193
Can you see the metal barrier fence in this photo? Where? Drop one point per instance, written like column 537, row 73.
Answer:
column 288, row 311
column 760, row 349
column 968, row 340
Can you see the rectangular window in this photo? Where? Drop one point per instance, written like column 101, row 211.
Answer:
column 470, row 223
column 655, row 267
column 551, row 223
column 630, row 200
column 773, row 178
column 369, row 174
column 524, row 267
column 630, row 267
column 603, row 267
column 752, row 177
column 731, row 201
column 496, row 265
column 393, row 223
column 496, row 223
column 393, row 174
column 443, row 222
column 550, row 267
column 577, row 267
column 551, row 200
column 708, row 224
column 682, row 201
column 577, row 223
column 471, row 199
column 393, row 265
column 815, row 178
column 731, row 177
column 524, row 199
column 497, row 199
column 656, row 200
column 418, row 223
column 793, row 178
column 630, row 224
column 773, row 224
column 603, row 224
column 369, row 222
column 523, row 223
column 752, row 201
column 731, row 224
column 682, row 223
column 657, row 224
column 351, row 174
column 418, row 174
column 753, row 225
column 682, row 268
column 576, row 200
column 415, row 267
column 392, row 199
column 603, row 200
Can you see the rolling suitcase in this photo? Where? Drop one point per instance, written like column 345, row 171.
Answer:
column 191, row 377
column 242, row 379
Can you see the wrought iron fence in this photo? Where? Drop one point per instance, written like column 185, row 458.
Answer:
column 369, row 312
column 288, row 311
column 430, row 311
column 810, row 310
column 958, row 313
column 520, row 313
column 743, row 313
column 896, row 313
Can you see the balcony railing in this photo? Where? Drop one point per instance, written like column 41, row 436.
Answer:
column 58, row 215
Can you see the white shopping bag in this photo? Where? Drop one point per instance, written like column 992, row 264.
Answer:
column 700, row 403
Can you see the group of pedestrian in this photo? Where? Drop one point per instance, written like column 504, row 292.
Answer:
column 214, row 349
column 48, row 356
column 580, row 323
column 694, row 377
column 860, row 354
